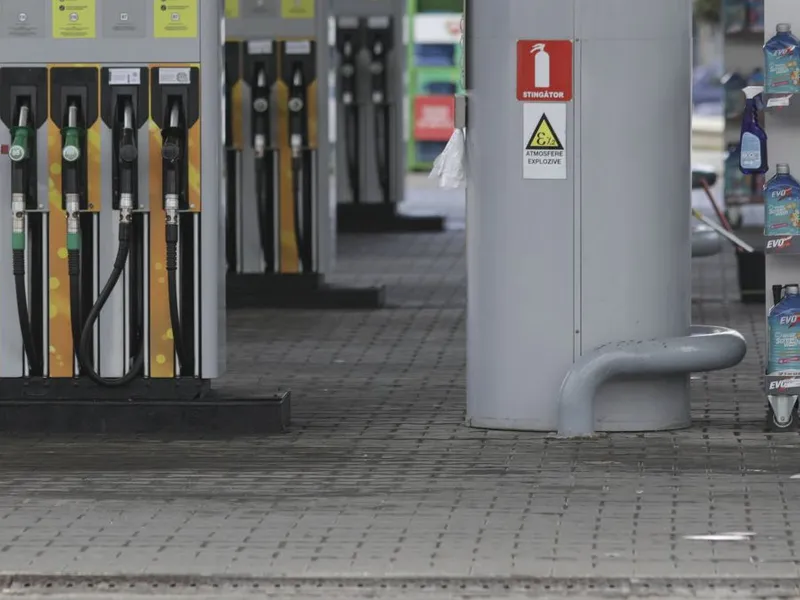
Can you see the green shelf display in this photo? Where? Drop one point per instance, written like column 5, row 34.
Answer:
column 434, row 77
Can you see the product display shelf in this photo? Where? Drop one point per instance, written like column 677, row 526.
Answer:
column 744, row 38
column 782, row 253
column 434, row 68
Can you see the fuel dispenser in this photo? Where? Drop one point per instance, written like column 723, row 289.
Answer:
column 111, row 234
column 281, row 230
column 370, row 163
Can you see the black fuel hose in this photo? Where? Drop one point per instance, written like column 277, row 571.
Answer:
column 74, row 262
column 266, row 210
column 84, row 354
column 298, row 180
column 382, row 149
column 184, row 358
column 351, row 146
column 35, row 366
column 308, row 211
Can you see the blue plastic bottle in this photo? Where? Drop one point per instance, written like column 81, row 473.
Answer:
column 733, row 84
column 756, row 77
column 753, row 140
column 782, row 203
column 755, row 15
column 734, row 15
column 782, row 61
column 783, row 354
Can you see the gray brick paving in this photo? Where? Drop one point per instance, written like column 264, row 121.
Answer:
column 379, row 477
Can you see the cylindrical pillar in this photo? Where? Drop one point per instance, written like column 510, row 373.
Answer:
column 573, row 248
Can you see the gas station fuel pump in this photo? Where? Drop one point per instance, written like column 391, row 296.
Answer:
column 280, row 225
column 370, row 163
column 111, row 235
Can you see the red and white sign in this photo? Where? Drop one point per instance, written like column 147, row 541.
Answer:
column 434, row 118
column 544, row 70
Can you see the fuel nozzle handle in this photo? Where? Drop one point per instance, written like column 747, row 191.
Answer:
column 348, row 72
column 261, row 93
column 71, row 146
column 171, row 149
column 377, row 68
column 20, row 136
column 172, row 154
column 127, row 156
column 297, row 112
column 128, row 152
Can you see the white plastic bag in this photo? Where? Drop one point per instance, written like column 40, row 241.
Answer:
column 450, row 166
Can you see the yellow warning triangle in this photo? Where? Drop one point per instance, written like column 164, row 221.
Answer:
column 544, row 137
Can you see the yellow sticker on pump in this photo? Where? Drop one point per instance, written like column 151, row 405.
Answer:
column 175, row 18
column 74, row 20
column 231, row 9
column 297, row 9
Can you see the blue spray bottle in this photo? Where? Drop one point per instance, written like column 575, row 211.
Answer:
column 753, row 140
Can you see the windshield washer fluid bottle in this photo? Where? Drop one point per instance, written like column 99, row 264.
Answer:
column 783, row 354
column 782, row 203
column 782, row 62
column 753, row 140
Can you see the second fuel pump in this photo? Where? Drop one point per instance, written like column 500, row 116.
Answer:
column 364, row 46
column 275, row 137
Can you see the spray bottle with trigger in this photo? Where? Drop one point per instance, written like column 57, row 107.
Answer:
column 753, row 140
column 541, row 67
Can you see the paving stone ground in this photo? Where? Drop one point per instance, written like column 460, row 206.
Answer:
column 380, row 478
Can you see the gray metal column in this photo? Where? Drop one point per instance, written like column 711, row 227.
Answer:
column 592, row 251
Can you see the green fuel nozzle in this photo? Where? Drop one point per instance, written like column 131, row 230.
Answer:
column 20, row 136
column 71, row 148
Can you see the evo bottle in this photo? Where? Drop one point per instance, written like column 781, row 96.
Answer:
column 782, row 62
column 782, row 203
column 783, row 353
column 753, row 140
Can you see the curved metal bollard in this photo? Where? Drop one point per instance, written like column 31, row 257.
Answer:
column 705, row 242
column 707, row 348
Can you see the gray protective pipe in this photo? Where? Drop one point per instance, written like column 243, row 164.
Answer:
column 707, row 348
column 705, row 242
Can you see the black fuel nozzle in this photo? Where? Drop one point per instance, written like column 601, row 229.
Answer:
column 127, row 165
column 348, row 71
column 72, row 164
column 172, row 152
column 298, row 124
column 377, row 68
column 261, row 128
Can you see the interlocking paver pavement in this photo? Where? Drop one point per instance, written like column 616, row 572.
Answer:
column 379, row 477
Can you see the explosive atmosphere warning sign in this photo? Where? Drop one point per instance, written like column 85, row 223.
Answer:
column 544, row 143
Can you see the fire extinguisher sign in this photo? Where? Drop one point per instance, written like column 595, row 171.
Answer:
column 544, row 70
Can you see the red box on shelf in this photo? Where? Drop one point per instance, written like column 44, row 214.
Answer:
column 434, row 118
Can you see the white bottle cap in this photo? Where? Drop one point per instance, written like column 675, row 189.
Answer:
column 783, row 28
column 782, row 169
column 792, row 289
